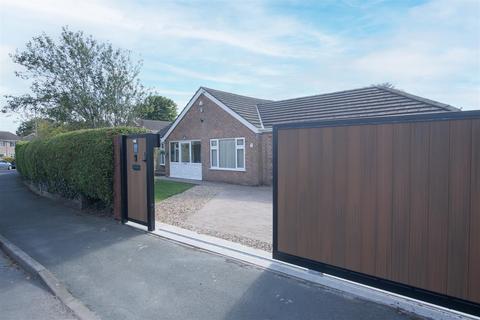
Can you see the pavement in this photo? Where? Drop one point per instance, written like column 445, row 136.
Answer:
column 239, row 210
column 24, row 297
column 123, row 273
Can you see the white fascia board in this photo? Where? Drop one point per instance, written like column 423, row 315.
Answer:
column 217, row 102
column 182, row 114
column 231, row 112
column 259, row 117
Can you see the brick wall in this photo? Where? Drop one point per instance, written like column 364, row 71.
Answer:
column 267, row 159
column 209, row 121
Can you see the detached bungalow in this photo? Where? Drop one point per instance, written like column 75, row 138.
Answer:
column 222, row 136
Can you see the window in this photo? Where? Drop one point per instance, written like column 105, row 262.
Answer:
column 162, row 153
column 240, row 153
column 214, row 153
column 12, row 144
column 174, row 152
column 185, row 151
column 196, row 152
column 228, row 154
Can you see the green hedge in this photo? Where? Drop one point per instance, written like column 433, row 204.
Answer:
column 73, row 163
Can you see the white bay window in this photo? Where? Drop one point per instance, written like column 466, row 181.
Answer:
column 227, row 154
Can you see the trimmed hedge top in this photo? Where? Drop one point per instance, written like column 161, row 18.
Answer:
column 73, row 163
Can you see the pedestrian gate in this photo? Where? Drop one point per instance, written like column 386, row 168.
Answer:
column 138, row 198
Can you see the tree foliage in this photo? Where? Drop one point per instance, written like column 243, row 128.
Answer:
column 157, row 107
column 44, row 128
column 78, row 80
column 27, row 127
column 388, row 85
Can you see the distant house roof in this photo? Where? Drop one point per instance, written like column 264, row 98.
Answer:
column 261, row 114
column 164, row 130
column 29, row 137
column 152, row 125
column 5, row 135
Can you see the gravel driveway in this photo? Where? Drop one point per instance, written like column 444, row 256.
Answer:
column 241, row 214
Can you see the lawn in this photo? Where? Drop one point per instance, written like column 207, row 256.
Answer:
column 165, row 189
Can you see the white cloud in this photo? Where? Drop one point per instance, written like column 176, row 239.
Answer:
column 261, row 33
column 432, row 50
column 191, row 73
column 408, row 63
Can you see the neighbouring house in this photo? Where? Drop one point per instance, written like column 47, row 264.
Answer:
column 29, row 137
column 160, row 127
column 222, row 136
column 7, row 144
column 153, row 126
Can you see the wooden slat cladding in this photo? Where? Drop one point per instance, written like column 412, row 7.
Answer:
column 137, row 181
column 474, row 248
column 398, row 201
column 459, row 207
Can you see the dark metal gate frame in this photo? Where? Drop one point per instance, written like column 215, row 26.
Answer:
column 152, row 141
column 384, row 284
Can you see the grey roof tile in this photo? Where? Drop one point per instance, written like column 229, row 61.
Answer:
column 164, row 130
column 5, row 135
column 152, row 125
column 372, row 101
column 244, row 106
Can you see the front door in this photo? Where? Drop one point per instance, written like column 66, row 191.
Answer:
column 185, row 159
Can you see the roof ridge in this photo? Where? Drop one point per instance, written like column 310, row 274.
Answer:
column 322, row 94
column 418, row 98
column 235, row 94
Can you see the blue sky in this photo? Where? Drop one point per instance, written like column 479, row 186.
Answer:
column 269, row 49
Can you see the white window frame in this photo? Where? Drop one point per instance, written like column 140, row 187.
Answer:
column 170, row 150
column 237, row 147
column 162, row 154
column 191, row 151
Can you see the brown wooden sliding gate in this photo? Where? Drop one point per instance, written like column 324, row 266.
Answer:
column 389, row 202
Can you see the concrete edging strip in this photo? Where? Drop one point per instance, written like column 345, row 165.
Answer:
column 49, row 280
column 264, row 260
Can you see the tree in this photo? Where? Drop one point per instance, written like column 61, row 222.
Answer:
column 156, row 107
column 78, row 80
column 45, row 127
column 385, row 85
column 26, row 127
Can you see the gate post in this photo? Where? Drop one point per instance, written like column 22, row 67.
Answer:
column 117, row 177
